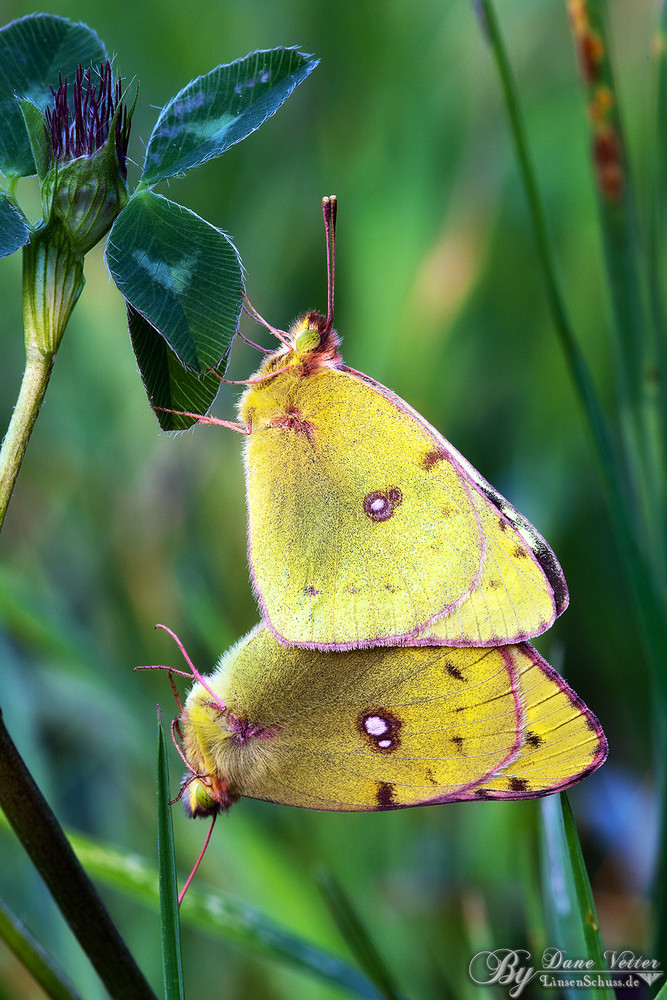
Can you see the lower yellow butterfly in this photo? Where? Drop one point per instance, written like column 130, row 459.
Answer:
column 389, row 727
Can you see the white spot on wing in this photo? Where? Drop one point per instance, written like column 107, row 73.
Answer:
column 376, row 726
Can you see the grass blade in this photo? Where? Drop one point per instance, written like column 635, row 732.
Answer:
column 658, row 257
column 357, row 937
column 48, row 848
column 172, row 968
column 569, row 905
column 34, row 958
column 635, row 348
column 615, row 199
column 219, row 915
column 613, row 464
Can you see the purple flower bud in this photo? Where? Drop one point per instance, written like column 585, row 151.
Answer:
column 86, row 186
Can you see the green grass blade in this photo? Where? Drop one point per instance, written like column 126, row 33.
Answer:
column 610, row 460
column 569, row 906
column 219, row 915
column 661, row 994
column 49, row 850
column 615, row 197
column 635, row 351
column 658, row 260
column 172, row 968
column 648, row 607
column 34, row 958
column 357, row 937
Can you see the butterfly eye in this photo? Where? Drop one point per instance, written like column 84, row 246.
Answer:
column 307, row 340
column 203, row 797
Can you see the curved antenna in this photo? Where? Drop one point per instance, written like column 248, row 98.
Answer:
column 263, row 350
column 202, row 419
column 251, row 311
column 330, row 211
column 242, row 381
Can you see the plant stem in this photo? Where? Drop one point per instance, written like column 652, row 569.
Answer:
column 52, row 282
column 35, row 380
column 48, row 848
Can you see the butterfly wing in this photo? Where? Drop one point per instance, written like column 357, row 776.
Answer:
column 561, row 742
column 390, row 727
column 367, row 527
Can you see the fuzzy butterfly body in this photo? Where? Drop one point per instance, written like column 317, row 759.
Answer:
column 367, row 527
column 384, row 728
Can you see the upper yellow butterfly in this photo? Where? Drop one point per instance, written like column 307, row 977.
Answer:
column 366, row 527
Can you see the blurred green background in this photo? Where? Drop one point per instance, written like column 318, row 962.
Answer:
column 115, row 526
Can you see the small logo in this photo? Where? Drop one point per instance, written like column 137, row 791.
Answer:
column 515, row 968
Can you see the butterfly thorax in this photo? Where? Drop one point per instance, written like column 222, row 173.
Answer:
column 313, row 349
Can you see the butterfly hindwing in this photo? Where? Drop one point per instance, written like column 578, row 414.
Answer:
column 388, row 727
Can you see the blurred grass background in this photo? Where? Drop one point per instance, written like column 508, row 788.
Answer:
column 115, row 526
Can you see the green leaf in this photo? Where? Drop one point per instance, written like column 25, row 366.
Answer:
column 14, row 233
column 172, row 969
column 35, row 124
column 181, row 273
column 219, row 109
column 32, row 956
column 570, row 910
column 34, row 51
column 168, row 384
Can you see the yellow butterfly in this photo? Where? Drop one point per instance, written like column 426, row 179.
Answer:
column 381, row 728
column 365, row 525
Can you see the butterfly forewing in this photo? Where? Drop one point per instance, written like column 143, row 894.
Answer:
column 365, row 528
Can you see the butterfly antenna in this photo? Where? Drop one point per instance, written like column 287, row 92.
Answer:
column 264, row 350
column 194, row 673
column 197, row 862
column 252, row 312
column 329, row 211
column 203, row 419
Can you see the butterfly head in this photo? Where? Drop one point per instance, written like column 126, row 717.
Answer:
column 205, row 797
column 314, row 343
column 205, row 729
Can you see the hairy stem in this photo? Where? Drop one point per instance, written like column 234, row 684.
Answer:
column 35, row 380
column 49, row 850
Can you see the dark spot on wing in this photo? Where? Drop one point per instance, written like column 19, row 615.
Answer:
column 432, row 458
column 519, row 553
column 385, row 795
column 381, row 504
column 458, row 742
column 453, row 671
column 518, row 785
column 311, row 591
column 534, row 739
